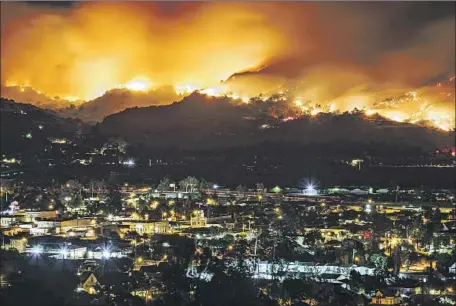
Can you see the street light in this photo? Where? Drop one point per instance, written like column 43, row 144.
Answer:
column 310, row 187
column 36, row 250
column 64, row 251
column 129, row 163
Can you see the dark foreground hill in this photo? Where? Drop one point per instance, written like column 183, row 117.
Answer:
column 199, row 122
column 226, row 143
column 26, row 127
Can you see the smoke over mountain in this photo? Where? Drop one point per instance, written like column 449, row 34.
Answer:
column 394, row 58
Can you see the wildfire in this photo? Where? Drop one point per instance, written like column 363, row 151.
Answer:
column 370, row 112
column 137, row 84
column 395, row 115
column 395, row 109
column 85, row 52
column 185, row 89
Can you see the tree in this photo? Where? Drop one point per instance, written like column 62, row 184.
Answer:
column 114, row 201
column 73, row 187
column 313, row 237
column 189, row 184
column 240, row 190
column 260, row 187
column 276, row 189
column 203, row 184
column 380, row 262
column 98, row 187
column 436, row 219
column 164, row 184
column 112, row 180
column 71, row 194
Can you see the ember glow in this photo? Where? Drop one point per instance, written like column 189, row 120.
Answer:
column 305, row 55
column 137, row 84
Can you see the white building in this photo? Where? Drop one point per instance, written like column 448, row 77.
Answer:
column 7, row 221
column 452, row 269
column 265, row 269
column 290, row 270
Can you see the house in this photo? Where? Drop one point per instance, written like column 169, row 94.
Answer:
column 89, row 283
column 153, row 272
column 19, row 243
column 148, row 227
column 105, row 252
column 7, row 221
column 452, row 269
column 198, row 219
column 32, row 215
column 46, row 225
column 383, row 299
column 382, row 190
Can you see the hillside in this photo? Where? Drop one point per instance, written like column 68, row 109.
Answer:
column 199, row 122
column 115, row 101
column 26, row 127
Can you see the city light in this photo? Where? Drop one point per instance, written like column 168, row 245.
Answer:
column 211, row 201
column 64, row 251
column 37, row 249
column 106, row 252
column 129, row 163
column 154, row 204
column 215, row 186
column 310, row 189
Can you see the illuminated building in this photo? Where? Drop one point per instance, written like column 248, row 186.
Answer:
column 89, row 283
column 148, row 227
column 197, row 219
column 380, row 299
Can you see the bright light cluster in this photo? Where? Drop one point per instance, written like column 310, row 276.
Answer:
column 137, row 84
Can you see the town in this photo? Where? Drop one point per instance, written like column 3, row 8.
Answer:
column 98, row 243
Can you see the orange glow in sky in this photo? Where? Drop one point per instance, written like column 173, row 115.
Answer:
column 323, row 57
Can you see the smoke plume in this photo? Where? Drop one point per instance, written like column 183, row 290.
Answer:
column 382, row 57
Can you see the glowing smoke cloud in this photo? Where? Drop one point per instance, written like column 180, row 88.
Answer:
column 320, row 56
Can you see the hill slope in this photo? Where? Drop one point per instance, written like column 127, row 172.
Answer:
column 27, row 127
column 199, row 122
